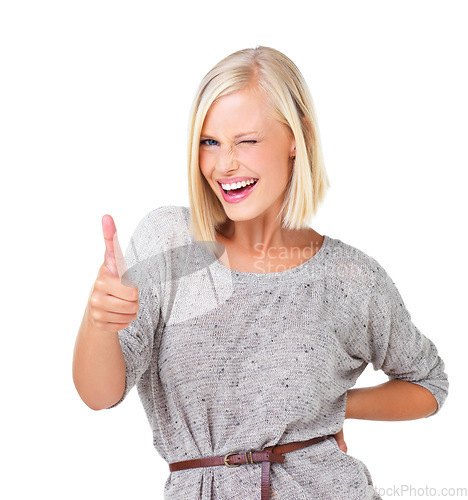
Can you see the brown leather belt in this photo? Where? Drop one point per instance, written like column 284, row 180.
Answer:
column 267, row 455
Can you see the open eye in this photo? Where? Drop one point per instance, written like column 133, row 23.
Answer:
column 209, row 142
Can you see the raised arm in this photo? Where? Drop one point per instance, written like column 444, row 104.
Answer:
column 98, row 361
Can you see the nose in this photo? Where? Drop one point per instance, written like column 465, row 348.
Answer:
column 226, row 161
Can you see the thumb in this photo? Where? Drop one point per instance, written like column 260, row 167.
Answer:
column 114, row 258
column 339, row 437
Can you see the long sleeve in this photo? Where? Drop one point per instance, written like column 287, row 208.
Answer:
column 393, row 343
column 161, row 261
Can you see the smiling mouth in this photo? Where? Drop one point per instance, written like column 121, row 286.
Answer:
column 238, row 190
column 239, row 194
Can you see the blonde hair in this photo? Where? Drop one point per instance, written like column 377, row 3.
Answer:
column 280, row 80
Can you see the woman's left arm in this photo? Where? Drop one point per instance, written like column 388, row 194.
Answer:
column 392, row 400
column 388, row 339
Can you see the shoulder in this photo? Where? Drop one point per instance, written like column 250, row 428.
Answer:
column 159, row 241
column 354, row 265
column 159, row 230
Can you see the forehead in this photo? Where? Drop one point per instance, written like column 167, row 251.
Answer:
column 244, row 108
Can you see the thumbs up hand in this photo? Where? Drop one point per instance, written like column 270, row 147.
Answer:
column 112, row 305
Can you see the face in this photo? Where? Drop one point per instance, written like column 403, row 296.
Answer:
column 240, row 139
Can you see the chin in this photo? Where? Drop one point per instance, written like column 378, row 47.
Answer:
column 241, row 214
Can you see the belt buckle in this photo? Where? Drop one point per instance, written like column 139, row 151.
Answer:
column 226, row 460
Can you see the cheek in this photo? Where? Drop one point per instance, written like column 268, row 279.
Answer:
column 266, row 160
column 204, row 162
column 254, row 157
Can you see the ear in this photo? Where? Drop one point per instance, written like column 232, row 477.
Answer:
column 292, row 150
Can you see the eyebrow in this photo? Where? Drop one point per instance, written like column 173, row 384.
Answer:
column 238, row 136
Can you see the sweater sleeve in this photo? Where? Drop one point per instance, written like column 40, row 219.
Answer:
column 137, row 339
column 394, row 344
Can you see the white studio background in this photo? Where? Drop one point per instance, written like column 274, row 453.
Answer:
column 94, row 101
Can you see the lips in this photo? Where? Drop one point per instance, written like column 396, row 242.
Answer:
column 237, row 194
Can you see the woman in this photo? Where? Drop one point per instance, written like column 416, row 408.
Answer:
column 248, row 329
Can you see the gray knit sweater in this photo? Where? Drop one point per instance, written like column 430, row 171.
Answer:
column 229, row 361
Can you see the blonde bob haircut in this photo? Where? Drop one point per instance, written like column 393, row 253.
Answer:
column 274, row 74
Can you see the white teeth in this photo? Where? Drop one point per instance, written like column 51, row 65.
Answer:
column 237, row 185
